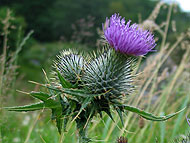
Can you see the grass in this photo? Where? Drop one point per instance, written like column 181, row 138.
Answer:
column 160, row 91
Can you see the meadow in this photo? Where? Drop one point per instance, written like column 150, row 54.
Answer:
column 162, row 79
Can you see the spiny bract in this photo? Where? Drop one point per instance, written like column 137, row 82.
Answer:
column 110, row 73
column 71, row 65
column 82, row 89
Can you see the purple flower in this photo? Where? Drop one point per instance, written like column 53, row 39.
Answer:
column 127, row 39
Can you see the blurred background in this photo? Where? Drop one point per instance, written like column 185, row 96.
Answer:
column 34, row 32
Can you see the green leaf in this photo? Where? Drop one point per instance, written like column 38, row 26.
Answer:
column 31, row 107
column 46, row 98
column 107, row 110
column 57, row 115
column 120, row 114
column 84, row 104
column 79, row 93
column 150, row 116
column 64, row 83
column 74, row 92
column 40, row 95
column 65, row 124
column 106, row 128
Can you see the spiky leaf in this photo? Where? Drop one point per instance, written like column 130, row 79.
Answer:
column 63, row 81
column 46, row 98
column 31, row 107
column 74, row 92
column 150, row 116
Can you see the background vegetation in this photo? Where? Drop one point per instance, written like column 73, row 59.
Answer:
column 163, row 81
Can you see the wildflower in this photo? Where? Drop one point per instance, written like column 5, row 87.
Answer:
column 130, row 40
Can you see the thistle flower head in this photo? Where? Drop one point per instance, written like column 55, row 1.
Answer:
column 70, row 65
column 111, row 73
column 130, row 40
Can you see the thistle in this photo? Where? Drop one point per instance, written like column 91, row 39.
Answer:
column 70, row 65
column 131, row 40
column 83, row 87
column 110, row 74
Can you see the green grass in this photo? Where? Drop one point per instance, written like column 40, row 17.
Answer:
column 15, row 127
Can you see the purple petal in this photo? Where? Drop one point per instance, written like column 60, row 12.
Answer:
column 130, row 40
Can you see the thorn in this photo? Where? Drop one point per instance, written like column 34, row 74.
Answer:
column 107, row 91
column 77, row 116
column 35, row 83
column 45, row 75
column 22, row 92
column 87, row 122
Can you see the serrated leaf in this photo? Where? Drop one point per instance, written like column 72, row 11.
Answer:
column 40, row 95
column 150, row 116
column 31, row 107
column 64, row 83
column 46, row 98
